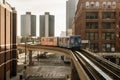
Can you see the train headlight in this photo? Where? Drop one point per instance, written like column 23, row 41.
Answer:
column 72, row 41
column 79, row 40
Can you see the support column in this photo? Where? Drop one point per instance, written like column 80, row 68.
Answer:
column 74, row 74
column 100, row 42
column 30, row 57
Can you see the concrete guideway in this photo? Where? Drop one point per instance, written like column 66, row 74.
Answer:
column 81, row 73
column 78, row 72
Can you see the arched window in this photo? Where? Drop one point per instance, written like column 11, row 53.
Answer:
column 114, row 4
column 104, row 5
column 109, row 4
column 92, row 4
column 87, row 4
column 97, row 4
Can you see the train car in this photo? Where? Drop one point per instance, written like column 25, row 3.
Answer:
column 75, row 41
column 63, row 41
column 49, row 41
column 70, row 41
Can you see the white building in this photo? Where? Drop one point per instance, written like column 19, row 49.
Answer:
column 28, row 25
column 63, row 34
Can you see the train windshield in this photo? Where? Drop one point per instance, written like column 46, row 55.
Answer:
column 75, row 39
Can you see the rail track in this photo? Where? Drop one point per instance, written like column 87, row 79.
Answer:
column 88, row 66
column 96, row 68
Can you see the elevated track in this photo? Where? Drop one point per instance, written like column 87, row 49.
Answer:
column 89, row 66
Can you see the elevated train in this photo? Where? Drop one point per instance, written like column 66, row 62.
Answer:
column 70, row 42
column 66, row 42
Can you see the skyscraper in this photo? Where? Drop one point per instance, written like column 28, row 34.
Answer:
column 28, row 25
column 46, row 25
column 71, row 6
column 8, row 48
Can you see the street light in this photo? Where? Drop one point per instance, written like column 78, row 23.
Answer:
column 26, row 39
column 25, row 66
column 25, row 50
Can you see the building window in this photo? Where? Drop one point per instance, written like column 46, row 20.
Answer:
column 108, row 4
column 92, row 15
column 92, row 36
column 92, row 4
column 108, row 47
column 97, row 4
column 114, row 5
column 104, row 5
column 92, row 25
column 87, row 4
column 108, row 25
column 108, row 15
column 108, row 36
column 94, row 47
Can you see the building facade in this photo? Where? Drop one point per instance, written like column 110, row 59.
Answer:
column 28, row 25
column 71, row 6
column 99, row 22
column 8, row 48
column 47, row 24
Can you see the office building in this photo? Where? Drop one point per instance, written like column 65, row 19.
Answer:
column 98, row 21
column 63, row 34
column 71, row 6
column 47, row 24
column 28, row 25
column 8, row 48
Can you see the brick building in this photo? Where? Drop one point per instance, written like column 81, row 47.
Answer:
column 8, row 49
column 98, row 21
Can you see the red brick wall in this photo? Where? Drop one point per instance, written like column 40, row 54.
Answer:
column 79, row 25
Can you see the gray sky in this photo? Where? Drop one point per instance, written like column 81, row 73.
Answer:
column 38, row 7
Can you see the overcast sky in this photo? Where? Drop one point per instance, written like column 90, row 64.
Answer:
column 38, row 7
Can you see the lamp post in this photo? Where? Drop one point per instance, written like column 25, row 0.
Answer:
column 25, row 49
column 26, row 40
column 25, row 66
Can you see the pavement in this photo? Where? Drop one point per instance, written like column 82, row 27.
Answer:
column 50, row 68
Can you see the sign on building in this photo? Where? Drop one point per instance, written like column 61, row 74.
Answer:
column 85, row 41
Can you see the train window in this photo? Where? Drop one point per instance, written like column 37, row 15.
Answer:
column 42, row 39
column 76, row 39
column 67, row 39
column 50, row 40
